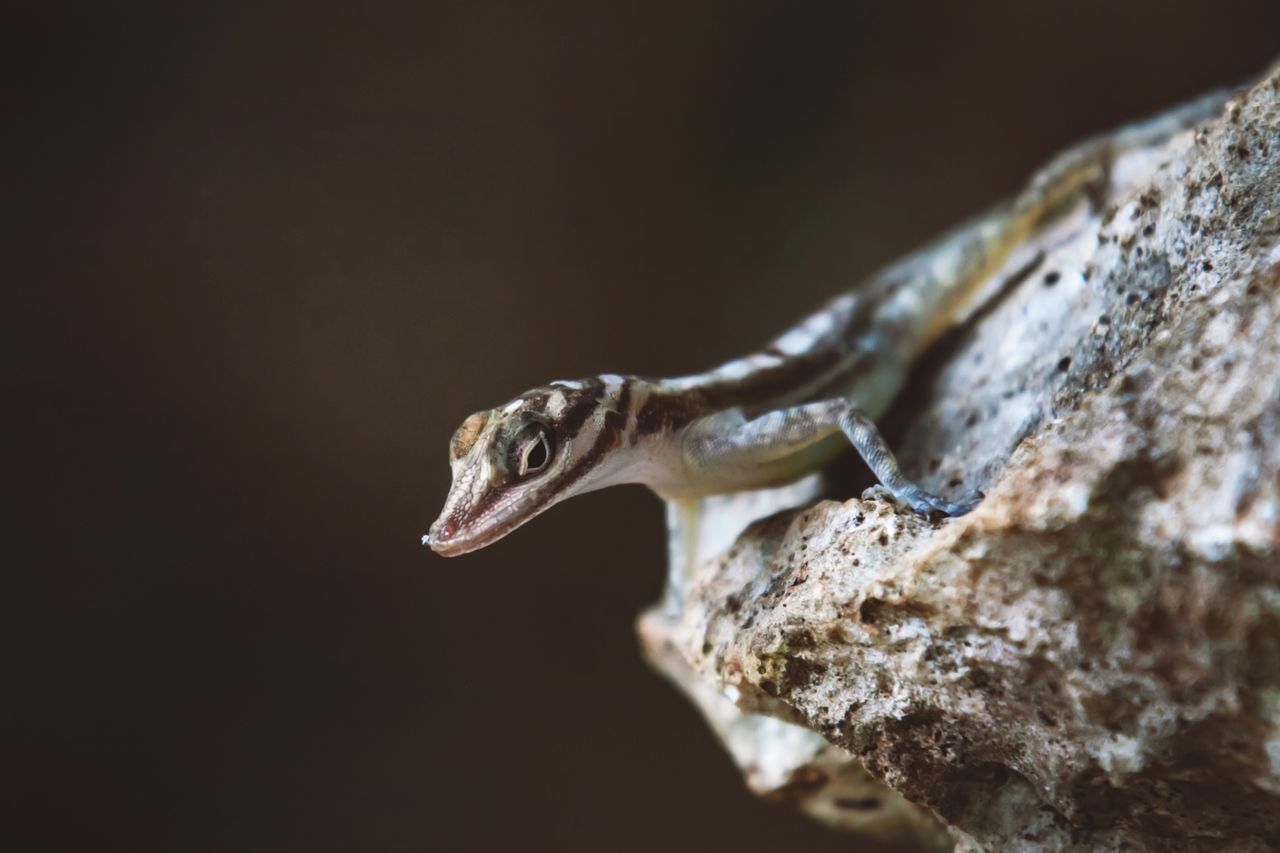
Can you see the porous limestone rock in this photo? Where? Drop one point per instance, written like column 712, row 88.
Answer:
column 1091, row 659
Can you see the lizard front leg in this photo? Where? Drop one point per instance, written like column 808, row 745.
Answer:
column 684, row 528
column 874, row 450
column 726, row 451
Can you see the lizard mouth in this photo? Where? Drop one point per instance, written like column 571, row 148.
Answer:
column 451, row 536
column 448, row 547
column 454, row 546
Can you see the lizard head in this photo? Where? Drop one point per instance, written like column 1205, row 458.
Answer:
column 514, row 462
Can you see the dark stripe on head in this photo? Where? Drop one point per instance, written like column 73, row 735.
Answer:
column 580, row 405
column 536, row 399
column 611, row 431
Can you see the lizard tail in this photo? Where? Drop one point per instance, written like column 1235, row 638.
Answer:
column 928, row 292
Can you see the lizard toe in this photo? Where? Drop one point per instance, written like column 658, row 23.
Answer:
column 932, row 505
column 965, row 506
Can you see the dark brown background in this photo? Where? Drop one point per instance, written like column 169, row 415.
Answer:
column 261, row 260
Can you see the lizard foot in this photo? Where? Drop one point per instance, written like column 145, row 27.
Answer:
column 928, row 504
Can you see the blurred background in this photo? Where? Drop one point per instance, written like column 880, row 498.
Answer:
column 261, row 260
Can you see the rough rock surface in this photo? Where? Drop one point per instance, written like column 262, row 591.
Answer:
column 1091, row 659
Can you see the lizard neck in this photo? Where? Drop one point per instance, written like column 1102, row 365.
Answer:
column 647, row 448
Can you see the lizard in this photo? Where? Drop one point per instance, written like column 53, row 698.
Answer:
column 776, row 414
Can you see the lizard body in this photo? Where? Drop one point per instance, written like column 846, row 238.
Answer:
column 771, row 416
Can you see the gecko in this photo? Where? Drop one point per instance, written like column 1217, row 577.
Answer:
column 776, row 414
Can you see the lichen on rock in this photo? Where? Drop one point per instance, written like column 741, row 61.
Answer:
column 1091, row 658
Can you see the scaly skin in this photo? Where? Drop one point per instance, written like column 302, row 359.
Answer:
column 772, row 416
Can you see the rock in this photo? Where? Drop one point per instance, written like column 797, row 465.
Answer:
column 1090, row 659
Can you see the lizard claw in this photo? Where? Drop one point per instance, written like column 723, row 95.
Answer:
column 931, row 505
column 961, row 508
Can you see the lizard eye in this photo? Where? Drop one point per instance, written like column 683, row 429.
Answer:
column 533, row 450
